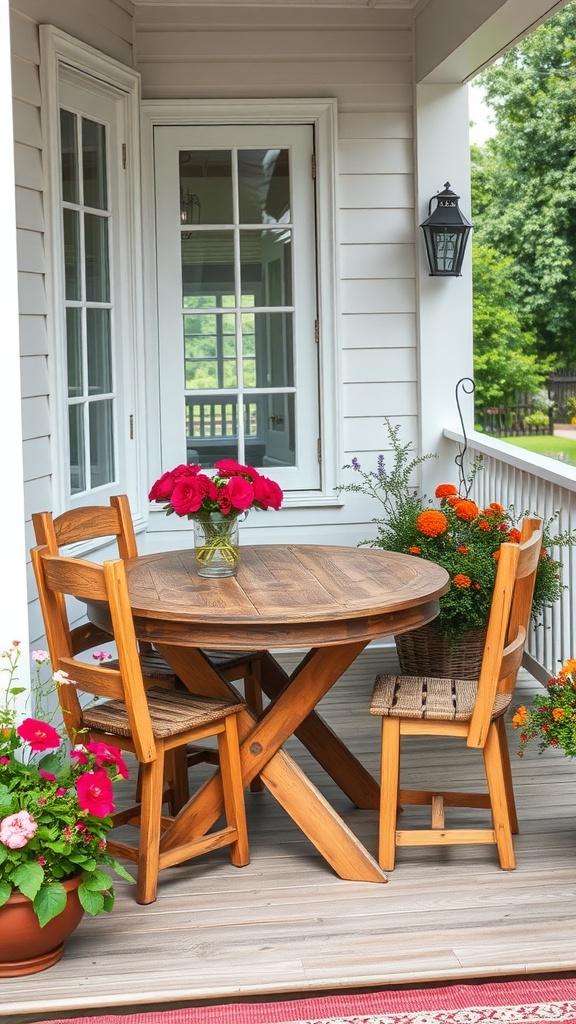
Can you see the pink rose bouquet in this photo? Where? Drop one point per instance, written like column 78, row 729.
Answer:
column 55, row 806
column 188, row 491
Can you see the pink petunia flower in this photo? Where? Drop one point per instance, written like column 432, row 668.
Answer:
column 80, row 754
column 39, row 735
column 47, row 775
column 17, row 829
column 102, row 656
column 108, row 755
column 40, row 657
column 4, row 760
column 95, row 795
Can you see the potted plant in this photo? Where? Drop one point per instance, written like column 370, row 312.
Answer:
column 454, row 532
column 551, row 718
column 55, row 807
column 215, row 503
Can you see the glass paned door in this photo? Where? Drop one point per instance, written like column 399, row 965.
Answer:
column 236, row 297
column 87, row 300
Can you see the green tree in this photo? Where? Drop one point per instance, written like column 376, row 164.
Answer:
column 504, row 360
column 525, row 182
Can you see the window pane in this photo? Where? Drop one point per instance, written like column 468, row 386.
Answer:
column 266, row 270
column 206, row 187
column 101, row 446
column 69, row 156
column 94, row 164
column 77, row 462
column 281, row 430
column 263, row 186
column 97, row 269
column 210, row 351
column 98, row 343
column 207, row 268
column 74, row 352
column 267, row 341
column 72, row 262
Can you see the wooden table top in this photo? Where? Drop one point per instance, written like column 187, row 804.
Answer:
column 284, row 596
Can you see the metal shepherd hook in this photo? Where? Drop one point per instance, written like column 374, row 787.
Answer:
column 465, row 486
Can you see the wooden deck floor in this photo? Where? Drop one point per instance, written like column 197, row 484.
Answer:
column 287, row 925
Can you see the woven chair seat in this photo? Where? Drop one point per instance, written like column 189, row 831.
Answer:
column 171, row 712
column 428, row 697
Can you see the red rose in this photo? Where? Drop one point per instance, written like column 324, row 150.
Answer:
column 267, row 493
column 224, row 502
column 189, row 493
column 229, row 467
column 95, row 795
column 39, row 735
column 186, row 470
column 240, row 492
column 162, row 489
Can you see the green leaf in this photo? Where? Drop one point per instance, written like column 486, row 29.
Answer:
column 108, row 900
column 49, row 902
column 119, row 868
column 28, row 878
column 5, row 891
column 93, row 902
column 96, row 880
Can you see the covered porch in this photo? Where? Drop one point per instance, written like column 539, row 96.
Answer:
column 286, row 926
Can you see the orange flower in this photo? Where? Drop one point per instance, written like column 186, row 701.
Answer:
column 514, row 536
column 461, row 580
column 466, row 509
column 453, row 499
column 520, row 717
column 496, row 555
column 496, row 507
column 414, row 551
column 484, row 525
column 445, row 490
column 463, row 550
column 558, row 714
column 568, row 668
column 432, row 523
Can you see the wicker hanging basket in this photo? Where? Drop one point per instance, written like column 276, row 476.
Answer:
column 425, row 652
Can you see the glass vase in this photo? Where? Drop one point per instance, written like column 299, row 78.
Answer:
column 216, row 545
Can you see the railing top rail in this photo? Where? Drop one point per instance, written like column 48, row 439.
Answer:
column 548, row 469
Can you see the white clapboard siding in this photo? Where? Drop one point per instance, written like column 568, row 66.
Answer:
column 28, row 166
column 376, row 226
column 376, row 156
column 369, row 261
column 32, row 293
column 26, row 80
column 27, row 127
column 372, row 330
column 395, row 125
column 35, row 416
column 29, row 210
column 369, row 365
column 33, row 337
column 37, row 456
column 375, row 296
column 31, row 251
column 106, row 25
column 367, row 435
column 34, row 371
column 380, row 398
column 377, row 190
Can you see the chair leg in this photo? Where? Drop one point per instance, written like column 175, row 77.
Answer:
column 152, row 783
column 495, row 776
column 253, row 693
column 176, row 773
column 389, row 781
column 507, row 769
column 233, row 789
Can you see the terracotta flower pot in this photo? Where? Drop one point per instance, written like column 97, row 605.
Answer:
column 25, row 947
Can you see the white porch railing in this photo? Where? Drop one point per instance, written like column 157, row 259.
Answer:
column 538, row 485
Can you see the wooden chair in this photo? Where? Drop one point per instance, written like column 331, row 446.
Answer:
column 470, row 709
column 153, row 724
column 93, row 522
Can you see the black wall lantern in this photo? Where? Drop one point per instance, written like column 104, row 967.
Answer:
column 445, row 234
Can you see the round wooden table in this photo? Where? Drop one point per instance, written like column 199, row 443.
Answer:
column 329, row 601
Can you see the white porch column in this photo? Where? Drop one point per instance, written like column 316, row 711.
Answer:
column 13, row 592
column 445, row 304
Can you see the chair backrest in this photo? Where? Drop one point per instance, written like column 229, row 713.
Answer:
column 84, row 524
column 57, row 577
column 507, row 625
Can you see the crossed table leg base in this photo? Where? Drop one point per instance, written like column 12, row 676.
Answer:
column 291, row 711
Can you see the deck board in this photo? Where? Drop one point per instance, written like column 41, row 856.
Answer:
column 287, row 925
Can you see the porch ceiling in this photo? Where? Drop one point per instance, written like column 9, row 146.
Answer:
column 382, row 4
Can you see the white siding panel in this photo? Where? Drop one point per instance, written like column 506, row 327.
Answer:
column 395, row 125
column 385, row 97
column 376, row 190
column 26, row 80
column 28, row 167
column 379, row 330
column 27, row 124
column 378, row 296
column 34, row 376
column 362, row 366
column 35, row 417
column 204, row 44
column 376, row 226
column 368, row 434
column 33, row 336
column 29, row 210
column 37, row 495
column 358, row 261
column 36, row 457
column 31, row 293
column 102, row 24
column 376, row 156
column 31, row 251
column 24, row 38
column 397, row 398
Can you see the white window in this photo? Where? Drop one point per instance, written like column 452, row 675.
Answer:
column 91, row 222
column 237, row 273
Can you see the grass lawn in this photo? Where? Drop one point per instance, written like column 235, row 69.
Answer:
column 561, row 448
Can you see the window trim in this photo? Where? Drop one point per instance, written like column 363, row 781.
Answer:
column 62, row 51
column 322, row 114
